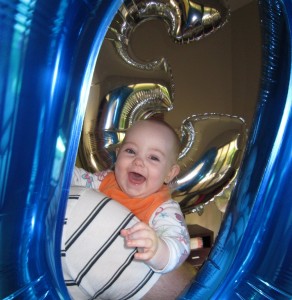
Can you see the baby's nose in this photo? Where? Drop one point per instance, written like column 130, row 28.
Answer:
column 138, row 161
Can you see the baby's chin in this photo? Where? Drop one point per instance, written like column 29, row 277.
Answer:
column 136, row 194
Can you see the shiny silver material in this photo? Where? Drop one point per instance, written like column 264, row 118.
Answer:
column 211, row 156
column 106, row 124
column 186, row 20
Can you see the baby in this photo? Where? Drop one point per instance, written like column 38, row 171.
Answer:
column 146, row 163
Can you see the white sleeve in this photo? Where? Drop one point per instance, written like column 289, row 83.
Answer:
column 169, row 223
column 90, row 180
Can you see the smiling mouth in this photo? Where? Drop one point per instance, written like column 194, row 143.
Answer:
column 136, row 178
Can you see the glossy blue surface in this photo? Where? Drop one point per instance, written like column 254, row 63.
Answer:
column 47, row 55
column 48, row 51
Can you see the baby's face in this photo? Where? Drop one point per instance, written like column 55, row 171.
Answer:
column 146, row 160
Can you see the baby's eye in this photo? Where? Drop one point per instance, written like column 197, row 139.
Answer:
column 130, row 151
column 155, row 158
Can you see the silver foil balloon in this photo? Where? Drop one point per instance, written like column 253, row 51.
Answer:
column 213, row 145
column 186, row 21
column 113, row 116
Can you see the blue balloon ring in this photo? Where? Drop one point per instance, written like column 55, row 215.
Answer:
column 48, row 52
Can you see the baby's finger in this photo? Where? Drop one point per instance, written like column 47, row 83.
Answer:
column 124, row 232
column 137, row 227
column 141, row 235
column 140, row 243
column 143, row 255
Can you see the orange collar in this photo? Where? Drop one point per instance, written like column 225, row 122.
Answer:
column 143, row 208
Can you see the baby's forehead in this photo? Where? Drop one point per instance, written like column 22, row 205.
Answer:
column 152, row 134
column 152, row 127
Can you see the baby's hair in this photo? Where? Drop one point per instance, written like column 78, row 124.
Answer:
column 177, row 142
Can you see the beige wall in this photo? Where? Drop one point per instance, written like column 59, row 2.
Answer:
column 201, row 69
column 246, row 60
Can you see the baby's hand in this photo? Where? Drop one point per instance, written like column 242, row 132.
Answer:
column 151, row 249
column 143, row 237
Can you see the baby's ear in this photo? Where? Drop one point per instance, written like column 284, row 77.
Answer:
column 174, row 171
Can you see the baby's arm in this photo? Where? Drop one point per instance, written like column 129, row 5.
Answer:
column 83, row 178
column 169, row 224
column 166, row 244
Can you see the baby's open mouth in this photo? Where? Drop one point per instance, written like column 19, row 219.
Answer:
column 136, row 178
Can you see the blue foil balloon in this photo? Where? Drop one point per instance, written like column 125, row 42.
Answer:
column 251, row 258
column 48, row 51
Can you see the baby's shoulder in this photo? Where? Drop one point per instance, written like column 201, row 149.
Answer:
column 102, row 174
column 168, row 208
column 171, row 204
